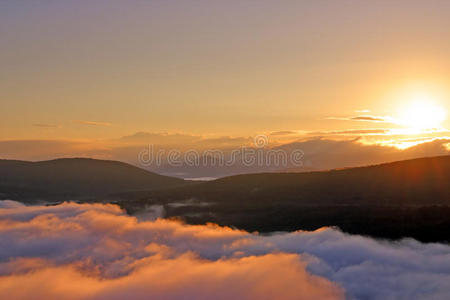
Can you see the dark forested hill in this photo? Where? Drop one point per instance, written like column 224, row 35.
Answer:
column 402, row 199
column 417, row 182
column 73, row 178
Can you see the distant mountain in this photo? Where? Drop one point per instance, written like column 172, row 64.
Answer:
column 74, row 178
column 395, row 200
column 423, row 181
column 318, row 155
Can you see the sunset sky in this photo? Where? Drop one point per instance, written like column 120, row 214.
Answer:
column 101, row 70
column 224, row 149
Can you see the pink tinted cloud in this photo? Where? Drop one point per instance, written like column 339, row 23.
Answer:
column 96, row 251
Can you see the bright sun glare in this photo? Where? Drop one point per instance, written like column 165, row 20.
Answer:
column 422, row 113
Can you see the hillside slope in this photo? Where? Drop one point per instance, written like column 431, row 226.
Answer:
column 396, row 200
column 75, row 178
column 417, row 182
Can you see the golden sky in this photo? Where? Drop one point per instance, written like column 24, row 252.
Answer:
column 95, row 70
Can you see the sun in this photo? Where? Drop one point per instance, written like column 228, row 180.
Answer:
column 422, row 113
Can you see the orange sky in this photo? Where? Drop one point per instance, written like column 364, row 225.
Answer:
column 93, row 70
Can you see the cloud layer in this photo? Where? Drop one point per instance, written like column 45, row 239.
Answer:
column 96, row 251
column 320, row 151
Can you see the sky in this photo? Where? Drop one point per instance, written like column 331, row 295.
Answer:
column 101, row 70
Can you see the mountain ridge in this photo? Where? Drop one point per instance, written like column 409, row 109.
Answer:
column 409, row 182
column 75, row 178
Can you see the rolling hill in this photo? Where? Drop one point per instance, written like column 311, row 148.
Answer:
column 417, row 182
column 395, row 200
column 75, row 178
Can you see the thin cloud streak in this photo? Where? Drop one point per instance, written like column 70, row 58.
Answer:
column 366, row 118
column 372, row 119
column 352, row 132
column 92, row 123
column 284, row 132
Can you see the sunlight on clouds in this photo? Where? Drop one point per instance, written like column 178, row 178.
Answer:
column 447, row 146
column 422, row 114
column 75, row 251
column 96, row 251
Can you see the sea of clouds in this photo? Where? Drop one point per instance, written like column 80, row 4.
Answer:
column 97, row 251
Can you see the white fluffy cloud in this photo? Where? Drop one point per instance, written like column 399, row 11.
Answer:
column 96, row 251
